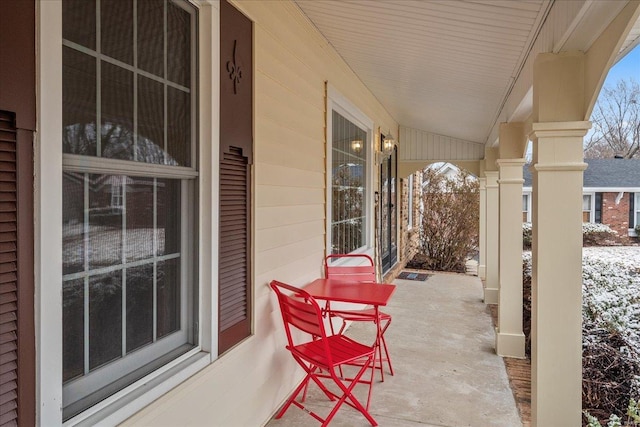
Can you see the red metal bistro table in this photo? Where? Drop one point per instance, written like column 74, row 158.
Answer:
column 374, row 294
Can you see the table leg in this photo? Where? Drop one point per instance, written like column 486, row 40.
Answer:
column 378, row 340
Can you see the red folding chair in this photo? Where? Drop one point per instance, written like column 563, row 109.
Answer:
column 320, row 355
column 359, row 273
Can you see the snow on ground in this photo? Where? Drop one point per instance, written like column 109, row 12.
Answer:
column 611, row 290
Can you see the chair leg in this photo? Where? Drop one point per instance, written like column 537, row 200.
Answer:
column 344, row 324
column 348, row 394
column 379, row 358
column 386, row 350
column 379, row 353
column 293, row 396
column 311, row 375
column 373, row 375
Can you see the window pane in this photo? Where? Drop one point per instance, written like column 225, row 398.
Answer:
column 150, row 121
column 105, row 318
column 525, row 203
column 139, row 306
column 117, row 112
column 178, row 127
column 151, row 36
column 586, row 202
column 168, row 216
column 72, row 222
column 139, row 194
column 348, row 185
column 124, row 282
column 79, row 22
column 116, row 26
column 105, row 222
column 168, row 297
column 178, row 45
column 73, row 328
column 79, row 106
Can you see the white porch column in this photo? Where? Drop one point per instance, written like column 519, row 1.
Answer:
column 482, row 231
column 510, row 340
column 492, row 284
column 556, row 317
column 556, row 314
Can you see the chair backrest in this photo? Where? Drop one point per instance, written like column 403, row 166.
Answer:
column 300, row 310
column 365, row 272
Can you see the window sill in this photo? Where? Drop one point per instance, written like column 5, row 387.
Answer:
column 122, row 405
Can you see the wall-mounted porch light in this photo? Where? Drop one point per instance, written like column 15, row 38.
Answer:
column 388, row 144
column 387, row 147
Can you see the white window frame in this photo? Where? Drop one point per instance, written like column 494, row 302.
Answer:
column 528, row 194
column 339, row 103
column 117, row 195
column 592, row 208
column 636, row 213
column 48, row 229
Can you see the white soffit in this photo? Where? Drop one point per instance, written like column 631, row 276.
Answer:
column 632, row 40
column 441, row 66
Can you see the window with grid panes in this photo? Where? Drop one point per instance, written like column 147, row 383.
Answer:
column 348, row 185
column 129, row 185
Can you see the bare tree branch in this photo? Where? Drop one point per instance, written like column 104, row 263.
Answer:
column 616, row 122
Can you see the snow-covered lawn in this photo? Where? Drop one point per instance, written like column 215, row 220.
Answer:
column 610, row 288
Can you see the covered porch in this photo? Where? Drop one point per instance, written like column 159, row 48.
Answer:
column 323, row 85
column 446, row 370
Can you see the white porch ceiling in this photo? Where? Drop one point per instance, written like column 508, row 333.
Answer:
column 442, row 66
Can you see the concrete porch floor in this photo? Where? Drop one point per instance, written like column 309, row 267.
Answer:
column 441, row 342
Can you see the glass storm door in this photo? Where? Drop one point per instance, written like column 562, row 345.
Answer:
column 388, row 180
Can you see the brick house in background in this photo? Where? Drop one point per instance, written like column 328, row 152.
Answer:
column 611, row 194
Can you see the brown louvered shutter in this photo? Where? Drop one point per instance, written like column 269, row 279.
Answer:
column 17, row 126
column 236, row 156
column 234, row 292
column 8, row 272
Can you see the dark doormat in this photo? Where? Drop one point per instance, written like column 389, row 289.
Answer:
column 406, row 275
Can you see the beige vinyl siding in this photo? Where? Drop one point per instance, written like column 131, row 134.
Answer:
column 292, row 64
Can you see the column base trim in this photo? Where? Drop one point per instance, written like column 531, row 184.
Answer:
column 510, row 345
column 482, row 271
column 491, row 295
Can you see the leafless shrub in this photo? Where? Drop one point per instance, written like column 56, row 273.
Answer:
column 449, row 231
column 609, row 367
